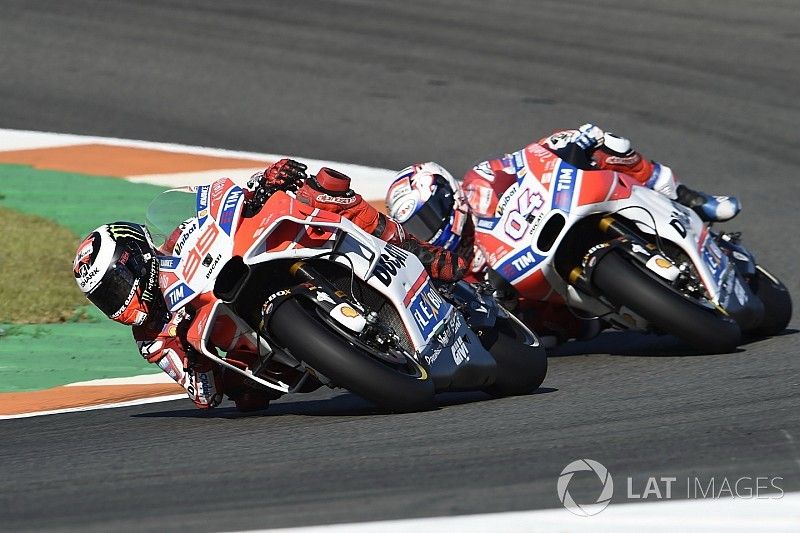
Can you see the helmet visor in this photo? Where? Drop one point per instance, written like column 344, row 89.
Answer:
column 433, row 216
column 115, row 291
column 117, row 288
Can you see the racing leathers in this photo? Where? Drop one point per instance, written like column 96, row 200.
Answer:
column 162, row 338
column 588, row 147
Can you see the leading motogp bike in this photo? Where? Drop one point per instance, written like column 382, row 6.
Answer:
column 602, row 244
column 315, row 300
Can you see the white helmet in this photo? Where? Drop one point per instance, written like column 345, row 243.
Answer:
column 117, row 269
column 429, row 203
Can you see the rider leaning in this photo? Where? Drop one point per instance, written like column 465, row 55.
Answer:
column 431, row 205
column 116, row 266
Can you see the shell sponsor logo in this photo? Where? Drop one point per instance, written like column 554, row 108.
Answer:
column 348, row 311
column 663, row 263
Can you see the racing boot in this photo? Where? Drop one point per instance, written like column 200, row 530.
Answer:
column 617, row 154
column 556, row 324
column 330, row 190
column 709, row 208
column 247, row 397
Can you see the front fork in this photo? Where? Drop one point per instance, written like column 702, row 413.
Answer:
column 632, row 245
column 316, row 289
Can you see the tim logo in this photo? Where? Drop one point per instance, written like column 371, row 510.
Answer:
column 178, row 294
column 522, row 263
column 565, row 187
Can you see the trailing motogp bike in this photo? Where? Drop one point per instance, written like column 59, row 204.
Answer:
column 606, row 246
column 321, row 302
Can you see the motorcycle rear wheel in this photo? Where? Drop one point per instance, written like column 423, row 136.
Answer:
column 626, row 284
column 300, row 330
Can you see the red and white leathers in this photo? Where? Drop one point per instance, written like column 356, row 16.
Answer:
column 162, row 339
column 586, row 147
column 589, row 146
column 330, row 190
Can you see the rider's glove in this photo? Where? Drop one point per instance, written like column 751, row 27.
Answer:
column 441, row 264
column 588, row 137
column 286, row 173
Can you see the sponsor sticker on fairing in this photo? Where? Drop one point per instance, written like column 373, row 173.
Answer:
column 229, row 209
column 428, row 309
column 392, row 260
column 187, row 229
column 504, row 199
column 520, row 263
column 169, row 262
column 715, row 259
column 518, row 159
column 202, row 203
column 178, row 294
column 564, row 186
column 487, row 224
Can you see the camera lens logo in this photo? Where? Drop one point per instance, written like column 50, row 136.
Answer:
column 583, row 465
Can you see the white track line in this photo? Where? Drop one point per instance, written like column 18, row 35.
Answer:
column 143, row 379
column 128, row 403
column 370, row 182
column 663, row 516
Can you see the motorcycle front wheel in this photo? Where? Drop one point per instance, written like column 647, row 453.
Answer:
column 296, row 325
column 626, row 284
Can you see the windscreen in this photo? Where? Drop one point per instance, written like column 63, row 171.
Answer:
column 168, row 210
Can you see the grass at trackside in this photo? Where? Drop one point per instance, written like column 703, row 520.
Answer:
column 36, row 281
column 36, row 257
column 78, row 202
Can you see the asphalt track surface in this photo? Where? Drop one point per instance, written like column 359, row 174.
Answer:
column 708, row 87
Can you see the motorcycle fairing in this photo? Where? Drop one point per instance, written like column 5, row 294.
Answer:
column 207, row 248
column 547, row 186
column 389, row 269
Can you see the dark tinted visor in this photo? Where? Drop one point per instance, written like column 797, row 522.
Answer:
column 433, row 215
column 113, row 290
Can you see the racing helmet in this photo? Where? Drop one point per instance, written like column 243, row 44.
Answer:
column 429, row 203
column 117, row 269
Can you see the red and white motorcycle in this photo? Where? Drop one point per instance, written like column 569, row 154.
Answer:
column 606, row 246
column 319, row 301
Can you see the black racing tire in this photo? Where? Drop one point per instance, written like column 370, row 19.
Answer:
column 521, row 368
column 777, row 303
column 626, row 284
column 308, row 339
